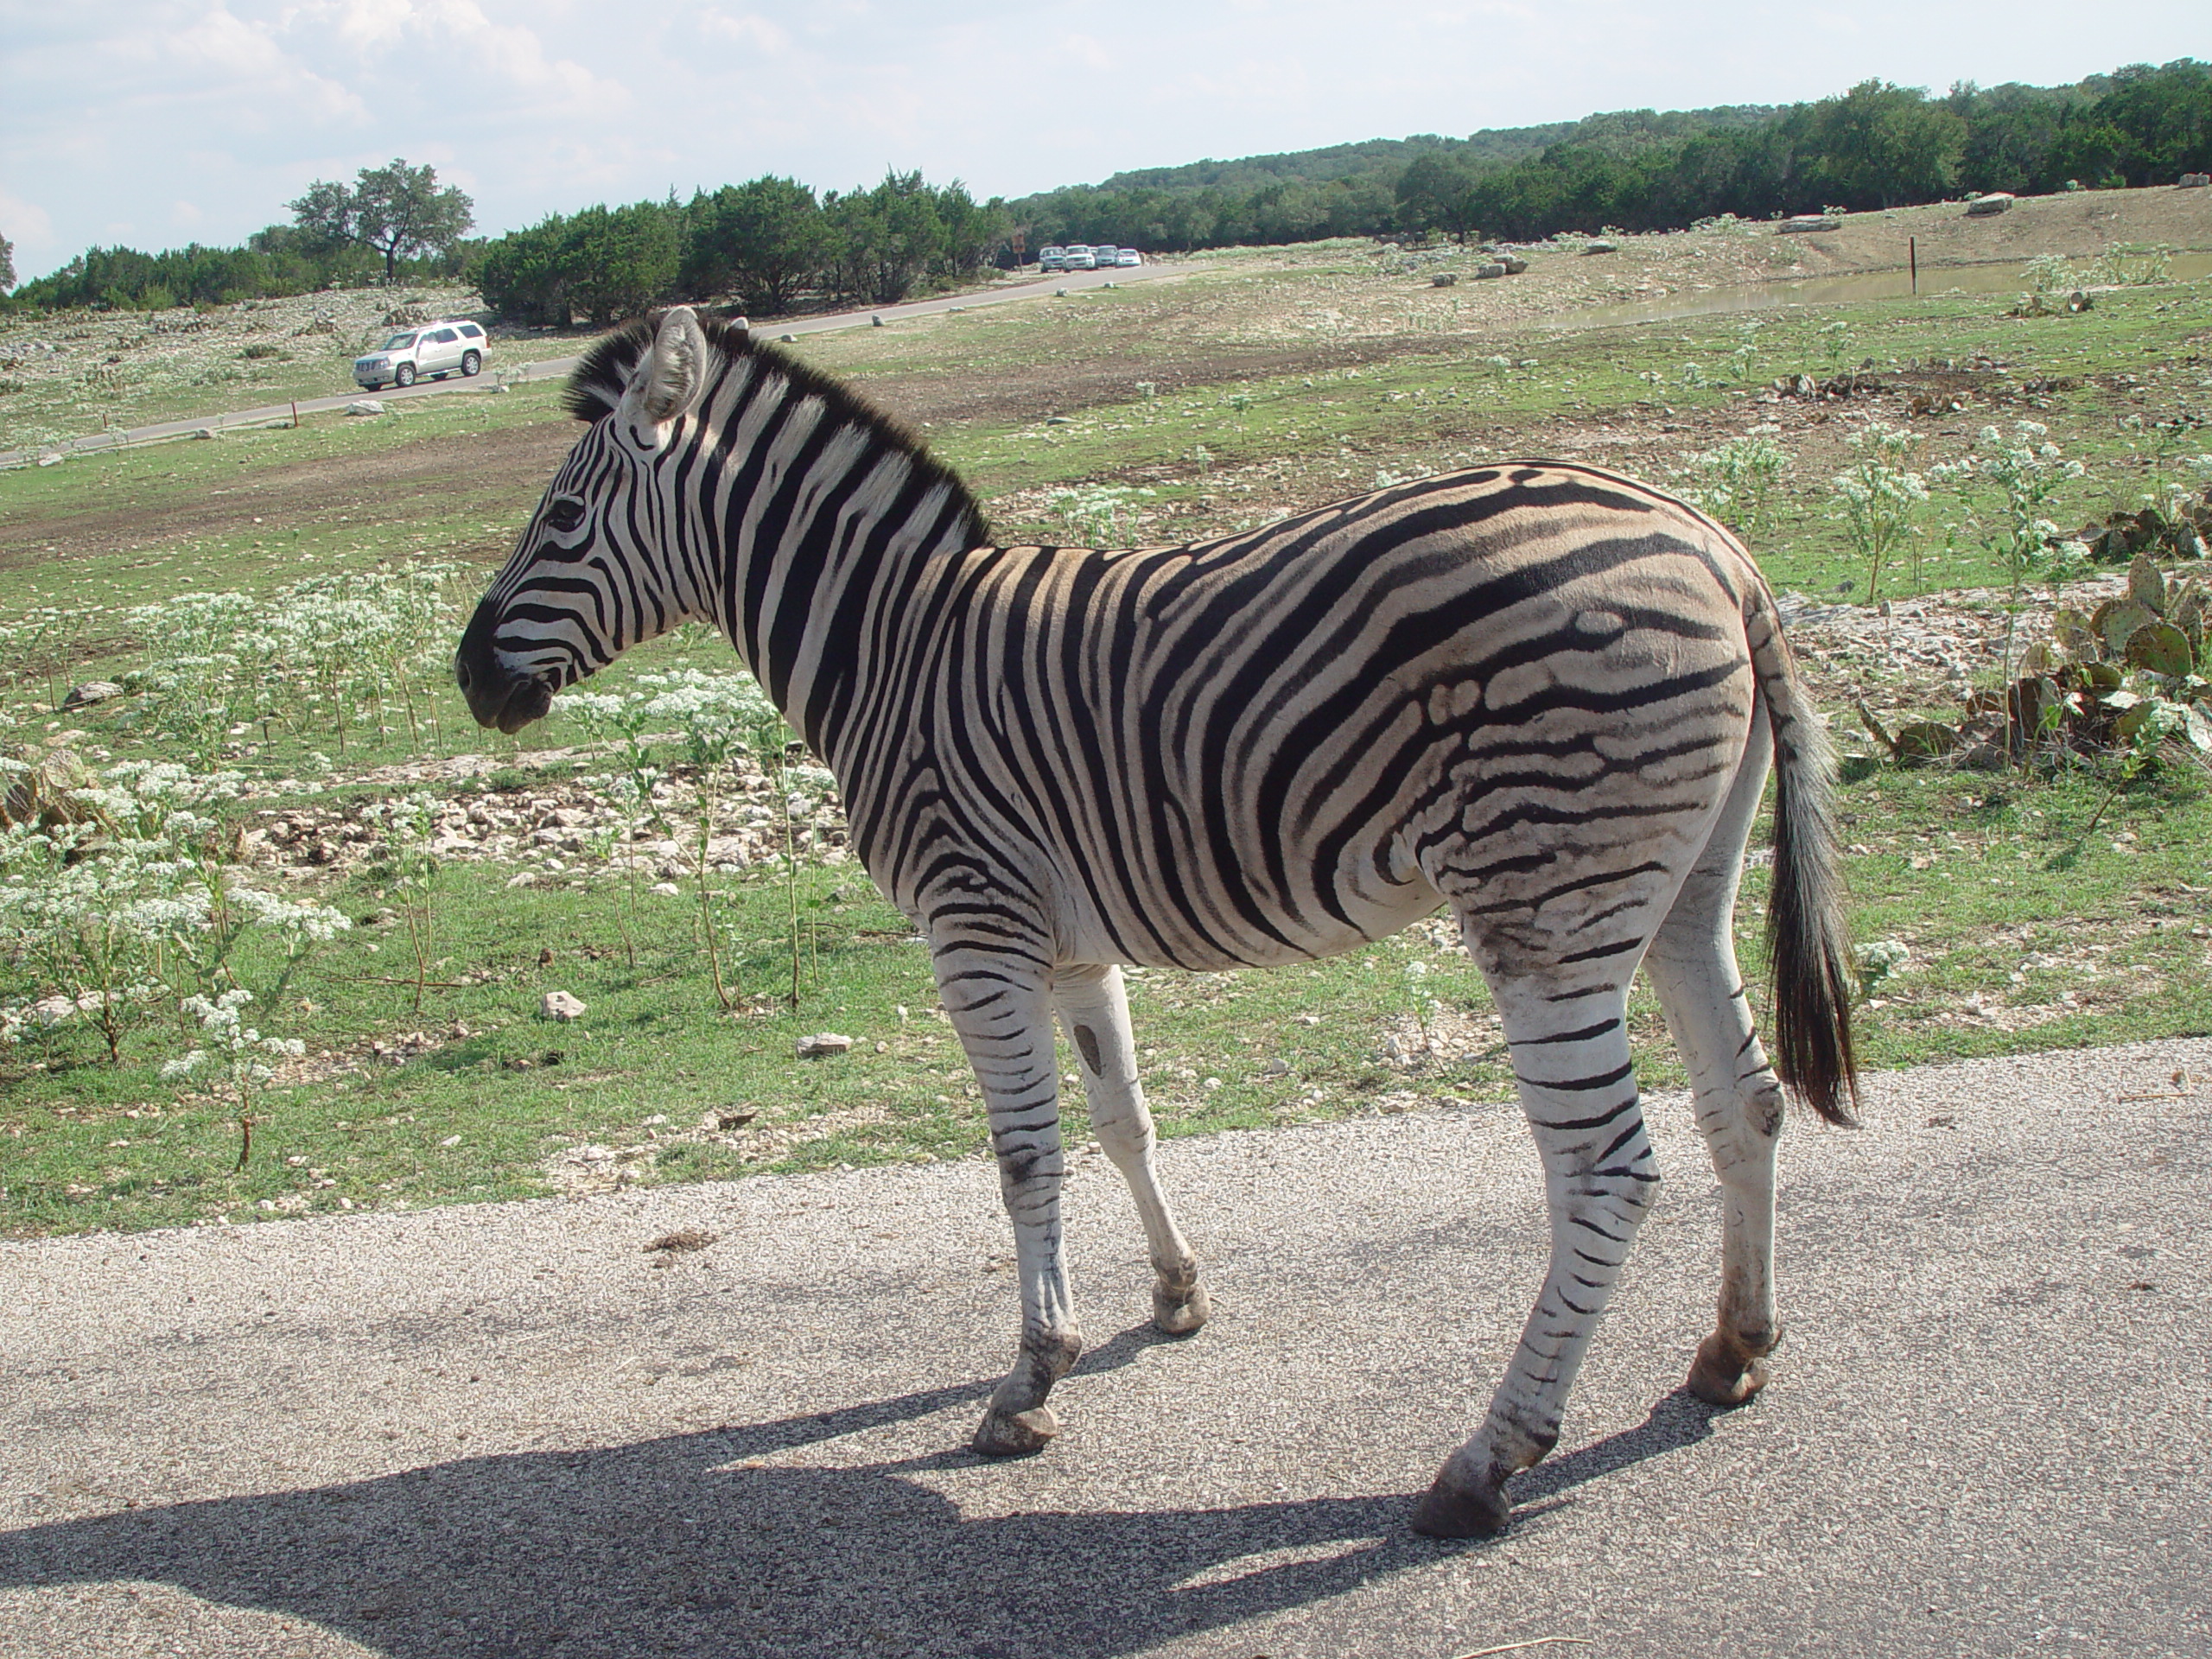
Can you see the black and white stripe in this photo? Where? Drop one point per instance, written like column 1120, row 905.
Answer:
column 1539, row 693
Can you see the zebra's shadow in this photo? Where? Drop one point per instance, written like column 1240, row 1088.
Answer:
column 701, row 1544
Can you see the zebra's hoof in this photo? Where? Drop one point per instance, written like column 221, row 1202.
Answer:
column 1178, row 1316
column 1723, row 1374
column 1454, row 1509
column 1015, row 1433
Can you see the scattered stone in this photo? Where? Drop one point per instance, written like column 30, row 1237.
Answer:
column 205, row 432
column 1602, row 245
column 560, row 1005
column 1489, row 270
column 2194, row 180
column 820, row 1043
column 727, row 1120
column 50, row 461
column 366, row 406
column 787, row 339
column 684, row 1238
column 666, row 889
column 1804, row 223
column 1513, row 263
column 1997, row 201
column 91, row 691
column 1445, row 278
column 875, row 322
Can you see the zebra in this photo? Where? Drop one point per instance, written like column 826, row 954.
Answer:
column 1537, row 692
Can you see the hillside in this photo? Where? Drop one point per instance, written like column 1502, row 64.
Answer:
column 1493, row 146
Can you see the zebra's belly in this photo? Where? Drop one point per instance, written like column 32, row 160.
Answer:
column 1229, row 942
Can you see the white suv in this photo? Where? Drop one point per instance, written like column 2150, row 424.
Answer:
column 436, row 349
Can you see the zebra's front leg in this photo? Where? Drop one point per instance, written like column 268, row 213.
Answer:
column 1571, row 1058
column 1095, row 1009
column 1001, row 1005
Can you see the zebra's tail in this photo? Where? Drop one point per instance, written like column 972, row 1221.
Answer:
column 1807, row 948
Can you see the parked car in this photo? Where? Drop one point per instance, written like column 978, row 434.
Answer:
column 1052, row 258
column 1082, row 258
column 454, row 346
column 1127, row 257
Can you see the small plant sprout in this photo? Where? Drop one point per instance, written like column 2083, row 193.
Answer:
column 1880, row 496
column 634, row 790
column 1737, row 482
column 2027, row 471
column 235, row 1054
column 1834, row 340
column 1878, row 963
column 718, row 717
column 1426, row 1007
column 411, row 867
column 1100, row 515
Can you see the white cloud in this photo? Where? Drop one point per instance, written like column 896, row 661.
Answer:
column 30, row 226
column 752, row 31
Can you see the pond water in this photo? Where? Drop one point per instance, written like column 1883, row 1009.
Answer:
column 2002, row 279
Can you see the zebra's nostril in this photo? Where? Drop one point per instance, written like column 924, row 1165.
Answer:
column 461, row 673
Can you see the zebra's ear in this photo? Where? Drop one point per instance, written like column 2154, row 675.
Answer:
column 666, row 382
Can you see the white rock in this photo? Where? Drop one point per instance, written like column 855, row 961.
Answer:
column 90, row 691
column 366, row 406
column 560, row 1005
column 822, row 1042
column 666, row 889
column 50, row 461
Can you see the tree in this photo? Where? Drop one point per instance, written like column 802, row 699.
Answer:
column 397, row 210
column 7, row 265
column 766, row 240
column 888, row 237
column 1436, row 193
column 621, row 262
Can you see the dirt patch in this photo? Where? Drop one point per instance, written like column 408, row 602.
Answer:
column 503, row 473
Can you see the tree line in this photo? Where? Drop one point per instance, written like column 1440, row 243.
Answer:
column 1877, row 145
column 394, row 222
column 765, row 243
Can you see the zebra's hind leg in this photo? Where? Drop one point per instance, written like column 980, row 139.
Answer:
column 1095, row 1009
column 1571, row 1058
column 1000, row 1006
column 1692, row 966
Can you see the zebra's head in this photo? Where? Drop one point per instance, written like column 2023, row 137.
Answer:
column 590, row 577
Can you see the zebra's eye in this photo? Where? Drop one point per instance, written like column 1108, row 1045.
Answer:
column 565, row 515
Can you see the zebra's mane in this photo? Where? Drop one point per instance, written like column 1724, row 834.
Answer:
column 597, row 385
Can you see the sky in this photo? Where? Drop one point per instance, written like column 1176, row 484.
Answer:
column 157, row 122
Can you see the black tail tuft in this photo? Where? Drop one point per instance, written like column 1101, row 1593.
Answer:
column 1807, row 942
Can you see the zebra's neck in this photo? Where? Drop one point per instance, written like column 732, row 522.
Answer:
column 822, row 526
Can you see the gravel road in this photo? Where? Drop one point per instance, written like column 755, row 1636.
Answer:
column 519, row 1431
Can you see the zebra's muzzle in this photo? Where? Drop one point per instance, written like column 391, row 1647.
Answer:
column 495, row 697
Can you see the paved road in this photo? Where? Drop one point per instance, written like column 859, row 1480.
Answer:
column 513, row 1430
column 552, row 368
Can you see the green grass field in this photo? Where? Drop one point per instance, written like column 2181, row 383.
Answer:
column 1153, row 414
